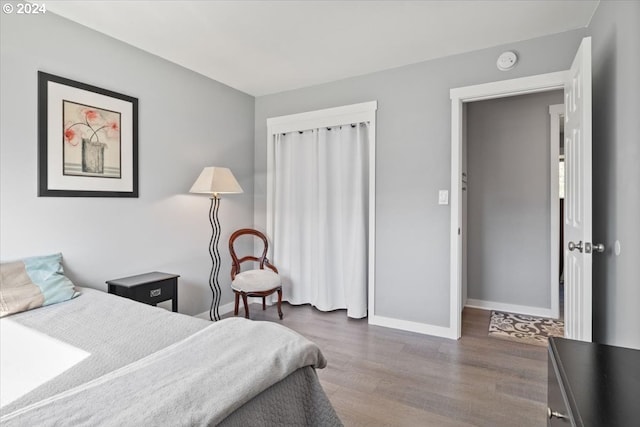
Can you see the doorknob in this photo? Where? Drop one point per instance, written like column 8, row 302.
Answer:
column 551, row 413
column 593, row 247
column 588, row 247
column 573, row 246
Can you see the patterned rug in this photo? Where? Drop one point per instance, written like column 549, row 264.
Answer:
column 524, row 329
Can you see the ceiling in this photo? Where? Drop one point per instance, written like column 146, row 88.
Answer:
column 264, row 47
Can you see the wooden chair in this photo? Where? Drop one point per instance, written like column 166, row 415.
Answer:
column 257, row 282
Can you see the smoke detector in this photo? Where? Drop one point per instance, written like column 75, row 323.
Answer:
column 507, row 60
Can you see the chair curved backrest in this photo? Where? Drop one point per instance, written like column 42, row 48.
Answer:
column 237, row 261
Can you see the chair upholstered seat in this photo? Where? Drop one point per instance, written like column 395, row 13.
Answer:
column 255, row 281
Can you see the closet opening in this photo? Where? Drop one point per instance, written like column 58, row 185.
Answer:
column 321, row 207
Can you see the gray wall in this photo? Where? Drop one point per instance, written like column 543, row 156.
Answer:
column 186, row 122
column 615, row 29
column 413, row 161
column 508, row 222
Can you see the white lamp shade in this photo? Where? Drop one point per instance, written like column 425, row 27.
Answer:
column 215, row 180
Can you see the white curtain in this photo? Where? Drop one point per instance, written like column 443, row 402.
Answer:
column 320, row 217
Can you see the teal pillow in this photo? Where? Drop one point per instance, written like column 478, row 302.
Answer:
column 33, row 282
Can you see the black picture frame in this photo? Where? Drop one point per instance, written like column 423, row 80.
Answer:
column 71, row 156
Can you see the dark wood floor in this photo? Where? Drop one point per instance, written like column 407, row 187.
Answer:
column 378, row 376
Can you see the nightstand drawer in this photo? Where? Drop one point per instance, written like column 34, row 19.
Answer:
column 153, row 293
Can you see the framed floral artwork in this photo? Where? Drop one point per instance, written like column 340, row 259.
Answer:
column 87, row 140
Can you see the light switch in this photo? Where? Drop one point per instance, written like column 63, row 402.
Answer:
column 443, row 197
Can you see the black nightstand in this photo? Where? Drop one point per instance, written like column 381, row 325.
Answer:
column 149, row 288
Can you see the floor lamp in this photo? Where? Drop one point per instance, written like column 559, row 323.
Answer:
column 215, row 181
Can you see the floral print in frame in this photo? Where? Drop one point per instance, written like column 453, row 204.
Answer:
column 87, row 140
column 91, row 140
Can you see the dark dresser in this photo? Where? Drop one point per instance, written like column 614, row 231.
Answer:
column 592, row 385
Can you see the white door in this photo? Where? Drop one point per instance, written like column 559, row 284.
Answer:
column 578, row 244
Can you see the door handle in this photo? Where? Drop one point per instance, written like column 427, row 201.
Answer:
column 551, row 413
column 573, row 246
column 588, row 247
column 593, row 247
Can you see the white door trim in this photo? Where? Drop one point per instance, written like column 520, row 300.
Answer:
column 354, row 113
column 345, row 114
column 555, row 112
column 459, row 96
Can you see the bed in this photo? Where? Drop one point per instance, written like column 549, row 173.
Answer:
column 99, row 359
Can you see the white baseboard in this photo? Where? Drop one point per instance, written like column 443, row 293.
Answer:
column 223, row 309
column 406, row 325
column 387, row 322
column 510, row 308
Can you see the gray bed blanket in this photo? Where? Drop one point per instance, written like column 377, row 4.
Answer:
column 115, row 332
column 199, row 380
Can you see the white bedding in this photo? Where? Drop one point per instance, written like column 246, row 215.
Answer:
column 130, row 364
column 114, row 331
column 197, row 381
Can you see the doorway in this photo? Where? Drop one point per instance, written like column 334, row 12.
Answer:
column 510, row 238
column 576, row 83
column 460, row 97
